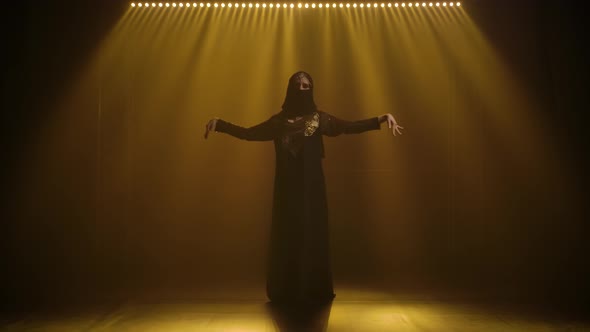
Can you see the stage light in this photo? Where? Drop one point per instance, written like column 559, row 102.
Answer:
column 341, row 5
column 438, row 4
column 382, row 5
column 223, row 5
column 313, row 5
column 181, row 4
column 299, row 5
column 410, row 4
column 430, row 4
column 264, row 5
column 347, row 5
column 416, row 5
column 243, row 5
column 362, row 5
column 404, row 4
column 451, row 4
column 424, row 4
column 160, row 5
column 249, row 5
column 458, row 4
column 389, row 4
column 167, row 4
column 333, row 5
column 444, row 4
column 146, row 5
column 320, row 5
column 133, row 4
column 291, row 6
column 194, row 5
column 306, row 5
column 284, row 5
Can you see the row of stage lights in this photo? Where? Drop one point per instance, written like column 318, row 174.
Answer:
column 299, row 5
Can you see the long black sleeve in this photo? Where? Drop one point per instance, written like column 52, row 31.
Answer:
column 333, row 126
column 264, row 131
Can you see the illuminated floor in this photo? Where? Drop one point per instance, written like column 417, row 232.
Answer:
column 349, row 312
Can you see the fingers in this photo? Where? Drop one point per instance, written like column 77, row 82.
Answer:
column 207, row 129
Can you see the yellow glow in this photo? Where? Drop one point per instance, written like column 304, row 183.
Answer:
column 167, row 4
column 341, row 5
column 133, row 4
column 362, row 5
column 354, row 5
column 188, row 5
column 181, row 4
column 320, row 5
column 424, row 4
column 430, row 4
column 299, row 5
column 229, row 5
column 451, row 4
column 458, row 4
column 250, row 5
column 437, row 4
column 200, row 4
column 382, row 5
column 306, row 5
column 243, row 5
column 444, row 4
column 284, row 5
column 194, row 4
column 147, row 4
column 333, row 5
column 396, row 5
column 389, row 5
column 410, row 4
column 313, row 5
column 264, row 5
column 417, row 4
column 291, row 6
column 215, row 5
column 403, row 4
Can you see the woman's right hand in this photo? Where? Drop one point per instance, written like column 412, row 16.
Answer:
column 210, row 126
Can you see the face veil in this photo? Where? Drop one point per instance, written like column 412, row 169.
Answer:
column 299, row 99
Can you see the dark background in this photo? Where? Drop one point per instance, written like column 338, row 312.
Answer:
column 46, row 43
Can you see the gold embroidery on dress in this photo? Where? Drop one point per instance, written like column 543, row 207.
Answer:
column 312, row 125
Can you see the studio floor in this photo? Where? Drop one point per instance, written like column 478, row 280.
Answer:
column 350, row 311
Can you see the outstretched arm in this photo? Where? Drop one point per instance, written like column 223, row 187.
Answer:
column 264, row 131
column 333, row 126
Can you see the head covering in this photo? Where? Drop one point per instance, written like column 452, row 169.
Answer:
column 299, row 102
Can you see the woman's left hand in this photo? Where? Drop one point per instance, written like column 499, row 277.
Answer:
column 391, row 123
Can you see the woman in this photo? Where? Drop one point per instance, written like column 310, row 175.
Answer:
column 299, row 259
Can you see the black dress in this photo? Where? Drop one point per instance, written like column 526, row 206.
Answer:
column 299, row 256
